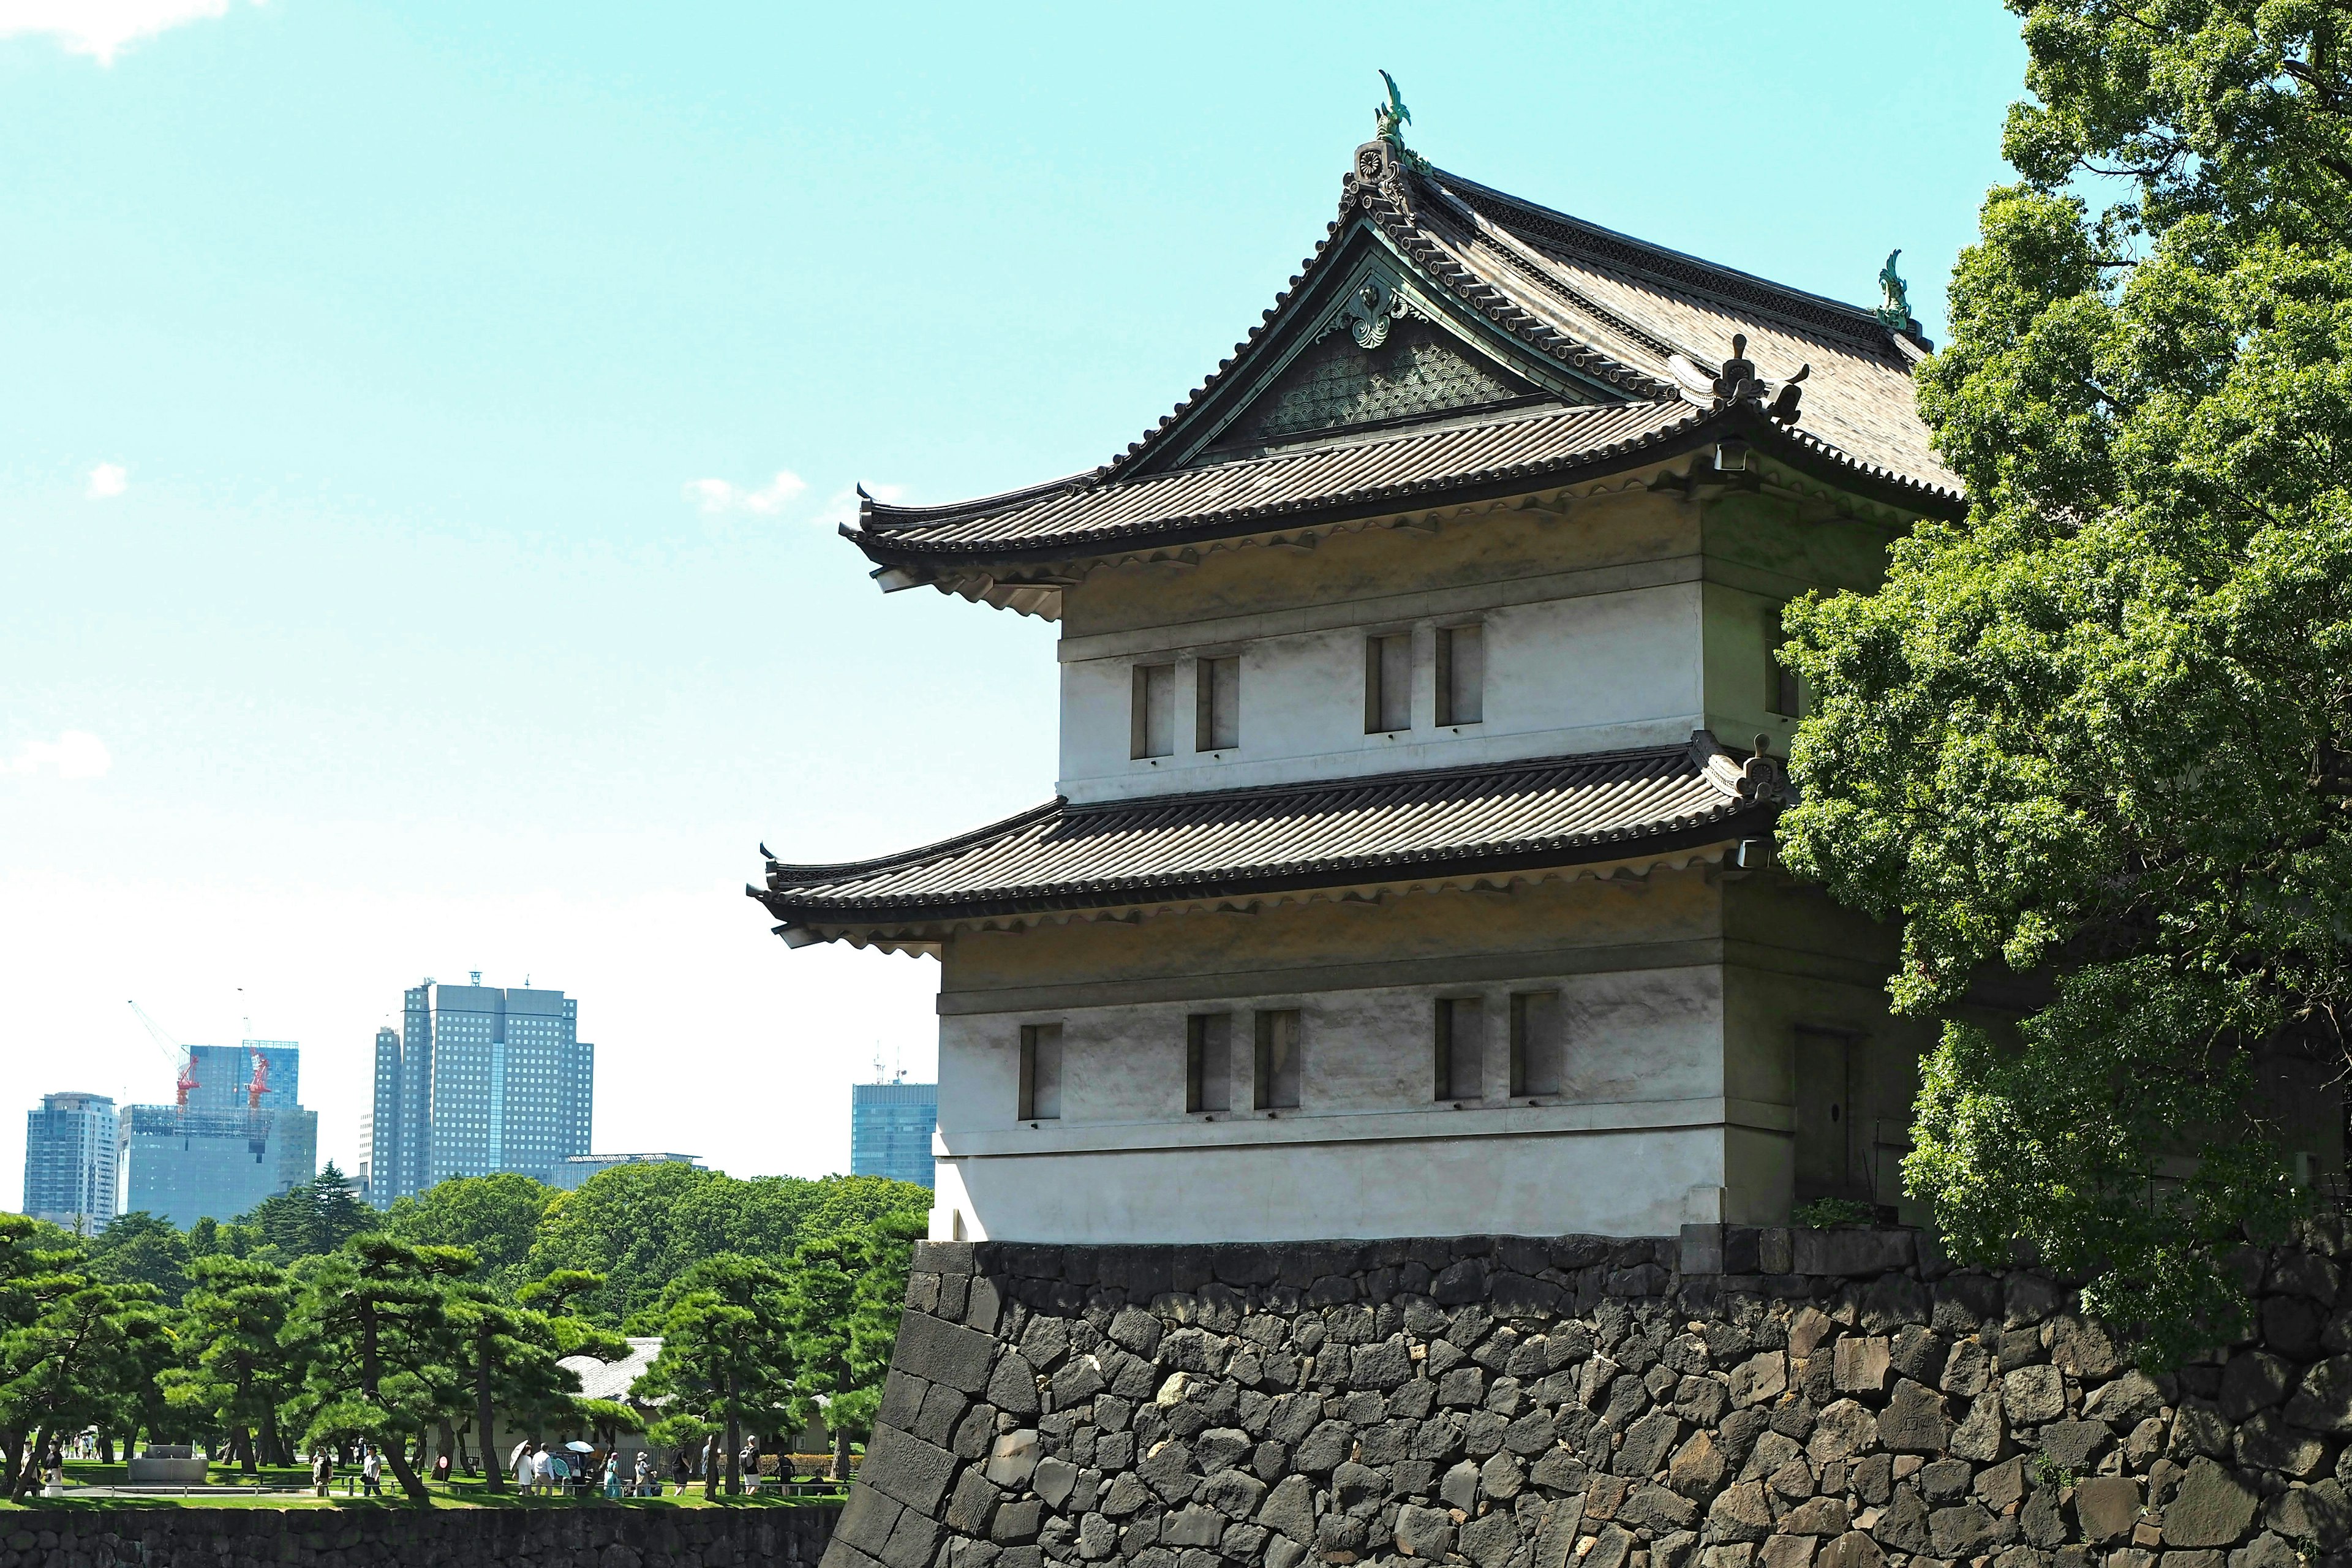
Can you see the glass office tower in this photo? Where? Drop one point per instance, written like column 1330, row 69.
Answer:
column 479, row 1079
column 890, row 1128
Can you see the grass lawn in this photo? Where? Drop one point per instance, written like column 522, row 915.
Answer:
column 232, row 1488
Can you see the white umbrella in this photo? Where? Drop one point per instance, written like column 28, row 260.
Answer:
column 577, row 1447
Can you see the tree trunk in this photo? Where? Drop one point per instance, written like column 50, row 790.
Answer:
column 841, row 1456
column 273, row 1446
column 240, row 1449
column 483, row 1419
column 734, row 1456
column 106, row 1447
column 396, row 1456
column 12, row 1451
column 29, row 1472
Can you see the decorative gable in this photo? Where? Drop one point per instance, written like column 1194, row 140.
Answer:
column 1416, row 371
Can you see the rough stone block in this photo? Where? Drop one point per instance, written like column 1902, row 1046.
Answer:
column 944, row 1353
column 906, row 1470
column 2033, row 1394
column 1822, row 1516
column 972, row 1505
column 2324, row 1401
column 2105, row 1507
column 2211, row 1509
column 1850, row 1251
column 1428, row 1533
column 1851, row 1550
column 1788, row 1552
column 1762, row 1377
column 2265, row 1443
column 1914, row 1420
column 2253, row 1380
column 1862, row 1364
column 1741, row 1512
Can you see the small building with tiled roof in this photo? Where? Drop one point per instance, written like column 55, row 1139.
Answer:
column 1409, row 871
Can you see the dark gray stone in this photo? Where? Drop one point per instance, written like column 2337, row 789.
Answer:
column 1015, row 1524
column 1289, row 1509
column 1902, row 1526
column 945, row 1352
column 2253, row 1380
column 1657, row 1509
column 1426, row 1533
column 908, row 1469
column 1647, row 1443
column 1234, row 1493
column 2211, row 1508
column 2105, row 1507
column 972, row 1505
column 2323, row 1401
column 2075, row 1446
column 1490, row 1541
column 1914, row 1420
column 1013, row 1385
column 1740, row 1512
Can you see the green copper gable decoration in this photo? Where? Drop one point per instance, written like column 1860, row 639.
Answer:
column 1389, row 121
column 1896, row 310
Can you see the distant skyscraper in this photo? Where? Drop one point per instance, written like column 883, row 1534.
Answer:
column 573, row 1170
column 69, row 1160
column 242, row 1136
column 479, row 1080
column 890, row 1128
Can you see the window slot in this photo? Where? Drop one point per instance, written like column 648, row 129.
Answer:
column 1153, row 714
column 1217, row 705
column 1388, row 683
column 1277, row 1060
column 1460, row 675
column 1041, row 1072
column 1784, row 694
column 1208, row 1061
column 1536, row 1045
column 1461, row 1050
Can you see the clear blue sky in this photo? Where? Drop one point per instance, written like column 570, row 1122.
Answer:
column 393, row 398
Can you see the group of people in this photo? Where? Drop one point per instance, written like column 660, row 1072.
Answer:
column 370, row 1479
column 539, row 1469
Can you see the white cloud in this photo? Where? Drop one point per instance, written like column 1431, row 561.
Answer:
column 100, row 27
column 74, row 754
column 718, row 496
column 107, row 479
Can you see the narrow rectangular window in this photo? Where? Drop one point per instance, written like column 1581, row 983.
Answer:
column 1217, row 705
column 1461, row 1050
column 1536, row 1045
column 1388, row 683
column 1154, row 713
column 1208, row 1061
column 1460, row 675
column 1277, row 1060
column 1040, row 1071
column 1784, row 694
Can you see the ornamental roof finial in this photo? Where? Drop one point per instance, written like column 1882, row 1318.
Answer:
column 1896, row 310
column 1390, row 119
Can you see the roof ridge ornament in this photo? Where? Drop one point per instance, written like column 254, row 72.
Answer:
column 1382, row 160
column 1895, row 311
column 1737, row 381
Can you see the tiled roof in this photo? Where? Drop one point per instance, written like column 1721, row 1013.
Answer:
column 1389, row 467
column 613, row 1379
column 1501, row 817
column 1609, row 311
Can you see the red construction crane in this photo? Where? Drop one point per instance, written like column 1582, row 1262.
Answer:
column 185, row 1057
column 260, row 1084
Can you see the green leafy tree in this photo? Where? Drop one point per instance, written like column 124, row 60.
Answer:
column 726, row 1359
column 842, row 1309
column 79, row 1357
column 375, row 1328
column 496, row 1217
column 2100, row 734
column 235, row 1372
column 308, row 1221
column 644, row 1225
column 514, row 1352
column 40, row 1264
column 138, row 1249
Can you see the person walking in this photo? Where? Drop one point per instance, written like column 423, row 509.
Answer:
column 645, row 1474
column 613, row 1478
column 322, row 1471
column 372, row 1473
column 681, row 1470
column 526, row 1467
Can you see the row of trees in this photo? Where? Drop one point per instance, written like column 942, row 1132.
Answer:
column 2099, row 732
column 315, row 1323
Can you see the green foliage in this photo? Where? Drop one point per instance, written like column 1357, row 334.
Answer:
column 2098, row 733
column 234, row 1372
column 512, row 1356
column 380, row 1351
column 726, row 1358
column 643, row 1227
column 72, row 1347
column 310, row 1221
column 137, row 1248
column 1827, row 1213
column 496, row 1216
column 843, row 1310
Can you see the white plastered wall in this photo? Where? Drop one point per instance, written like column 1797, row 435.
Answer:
column 1641, row 1121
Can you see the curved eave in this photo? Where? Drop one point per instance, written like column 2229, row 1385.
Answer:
column 1735, row 821
column 1804, row 453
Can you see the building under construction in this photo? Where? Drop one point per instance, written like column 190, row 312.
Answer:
column 236, row 1134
